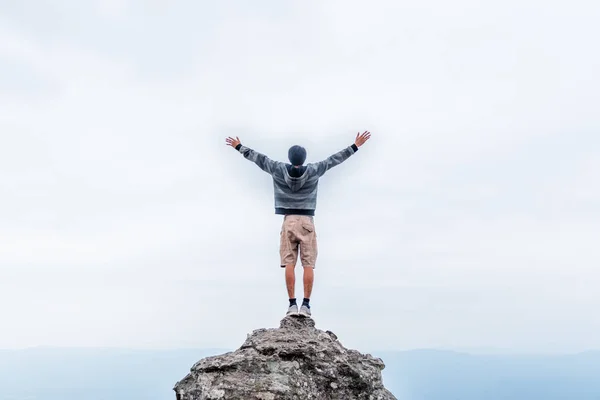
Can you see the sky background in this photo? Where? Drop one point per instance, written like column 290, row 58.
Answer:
column 471, row 219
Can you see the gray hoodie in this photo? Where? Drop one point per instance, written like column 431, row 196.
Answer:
column 296, row 187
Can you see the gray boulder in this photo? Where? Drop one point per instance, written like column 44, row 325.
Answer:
column 295, row 361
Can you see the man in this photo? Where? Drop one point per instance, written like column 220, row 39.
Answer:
column 295, row 187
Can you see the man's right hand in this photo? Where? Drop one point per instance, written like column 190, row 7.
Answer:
column 362, row 138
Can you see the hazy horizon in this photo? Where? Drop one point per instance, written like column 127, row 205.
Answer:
column 488, row 351
column 411, row 375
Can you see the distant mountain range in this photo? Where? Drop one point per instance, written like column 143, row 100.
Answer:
column 122, row 374
column 446, row 375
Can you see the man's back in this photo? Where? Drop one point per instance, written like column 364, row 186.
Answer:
column 296, row 187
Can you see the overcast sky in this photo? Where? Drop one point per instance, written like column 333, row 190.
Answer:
column 471, row 219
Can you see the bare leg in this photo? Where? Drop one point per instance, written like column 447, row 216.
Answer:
column 309, row 277
column 290, row 280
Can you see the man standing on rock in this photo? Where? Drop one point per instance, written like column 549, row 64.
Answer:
column 295, row 188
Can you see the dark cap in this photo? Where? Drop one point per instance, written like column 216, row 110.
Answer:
column 297, row 155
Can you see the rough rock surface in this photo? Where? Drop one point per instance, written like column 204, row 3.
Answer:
column 295, row 361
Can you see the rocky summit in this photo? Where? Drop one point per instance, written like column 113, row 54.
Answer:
column 295, row 361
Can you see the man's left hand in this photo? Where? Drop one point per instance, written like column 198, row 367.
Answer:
column 233, row 142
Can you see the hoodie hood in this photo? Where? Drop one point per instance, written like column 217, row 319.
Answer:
column 295, row 178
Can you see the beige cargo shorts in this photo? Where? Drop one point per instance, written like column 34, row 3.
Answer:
column 298, row 233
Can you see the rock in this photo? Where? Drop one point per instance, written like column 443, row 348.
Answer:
column 293, row 362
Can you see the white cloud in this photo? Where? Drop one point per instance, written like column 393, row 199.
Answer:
column 112, row 8
column 474, row 201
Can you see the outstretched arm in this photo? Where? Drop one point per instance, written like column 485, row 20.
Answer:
column 343, row 155
column 264, row 162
